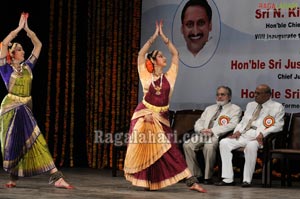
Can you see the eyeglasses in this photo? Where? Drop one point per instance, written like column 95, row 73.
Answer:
column 221, row 94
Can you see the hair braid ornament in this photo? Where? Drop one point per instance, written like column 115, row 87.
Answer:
column 149, row 66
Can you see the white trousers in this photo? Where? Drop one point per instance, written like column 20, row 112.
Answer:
column 229, row 144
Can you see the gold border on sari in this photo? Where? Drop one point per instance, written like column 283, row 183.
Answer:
column 158, row 185
column 147, row 143
column 15, row 101
column 157, row 109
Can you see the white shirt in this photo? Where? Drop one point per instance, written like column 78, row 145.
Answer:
column 272, row 113
column 202, row 57
column 230, row 113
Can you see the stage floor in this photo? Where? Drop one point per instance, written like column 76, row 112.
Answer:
column 92, row 183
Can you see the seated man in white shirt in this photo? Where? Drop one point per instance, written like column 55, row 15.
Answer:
column 262, row 117
column 215, row 121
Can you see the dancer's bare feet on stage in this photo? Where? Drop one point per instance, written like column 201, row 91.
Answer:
column 10, row 184
column 61, row 183
column 197, row 187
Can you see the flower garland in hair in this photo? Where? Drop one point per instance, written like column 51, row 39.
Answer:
column 149, row 66
column 8, row 57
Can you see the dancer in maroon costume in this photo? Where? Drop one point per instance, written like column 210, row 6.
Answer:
column 153, row 160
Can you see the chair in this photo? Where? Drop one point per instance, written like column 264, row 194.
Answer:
column 271, row 141
column 183, row 128
column 290, row 151
column 183, row 124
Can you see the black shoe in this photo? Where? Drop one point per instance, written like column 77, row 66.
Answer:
column 208, row 181
column 222, row 183
column 200, row 179
column 246, row 184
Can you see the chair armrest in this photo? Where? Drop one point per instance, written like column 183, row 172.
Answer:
column 269, row 139
column 272, row 137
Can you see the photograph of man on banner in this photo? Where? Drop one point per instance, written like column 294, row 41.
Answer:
column 196, row 32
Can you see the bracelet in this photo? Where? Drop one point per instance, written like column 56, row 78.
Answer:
column 150, row 40
column 167, row 42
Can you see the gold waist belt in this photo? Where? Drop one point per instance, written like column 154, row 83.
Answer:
column 16, row 98
column 156, row 108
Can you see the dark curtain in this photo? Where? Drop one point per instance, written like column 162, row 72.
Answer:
column 85, row 80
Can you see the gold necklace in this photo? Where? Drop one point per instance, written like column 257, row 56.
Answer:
column 18, row 68
column 157, row 88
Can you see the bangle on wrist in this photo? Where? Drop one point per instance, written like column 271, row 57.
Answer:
column 150, row 40
column 167, row 42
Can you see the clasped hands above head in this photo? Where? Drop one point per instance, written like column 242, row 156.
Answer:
column 159, row 31
column 25, row 14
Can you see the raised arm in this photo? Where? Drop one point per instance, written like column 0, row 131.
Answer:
column 171, row 47
column 146, row 46
column 11, row 36
column 37, row 44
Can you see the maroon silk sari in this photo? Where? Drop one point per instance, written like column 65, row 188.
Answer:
column 158, row 164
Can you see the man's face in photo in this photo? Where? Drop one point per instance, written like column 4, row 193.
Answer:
column 195, row 28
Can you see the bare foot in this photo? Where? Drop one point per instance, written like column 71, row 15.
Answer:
column 10, row 184
column 61, row 183
column 197, row 187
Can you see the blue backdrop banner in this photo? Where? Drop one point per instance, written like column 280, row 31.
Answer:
column 248, row 43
